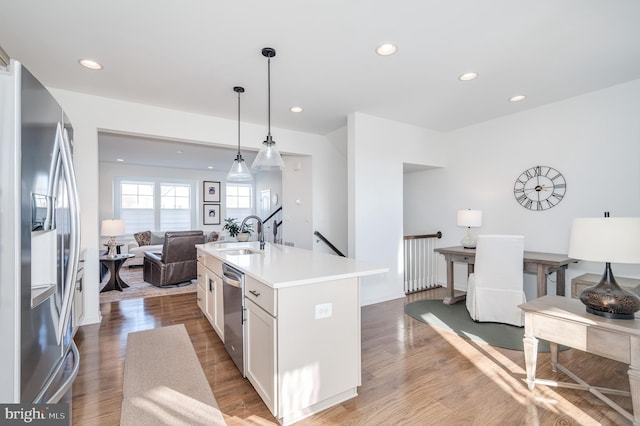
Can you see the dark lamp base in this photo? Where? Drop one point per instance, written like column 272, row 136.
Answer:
column 609, row 314
column 608, row 300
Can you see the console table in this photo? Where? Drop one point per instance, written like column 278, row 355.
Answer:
column 565, row 321
column 535, row 262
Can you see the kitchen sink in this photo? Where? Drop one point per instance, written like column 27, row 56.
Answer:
column 239, row 252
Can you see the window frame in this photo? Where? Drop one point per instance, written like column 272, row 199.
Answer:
column 157, row 182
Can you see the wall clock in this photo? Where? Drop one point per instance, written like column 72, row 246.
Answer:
column 539, row 188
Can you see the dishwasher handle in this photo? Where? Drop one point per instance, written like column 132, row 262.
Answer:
column 231, row 279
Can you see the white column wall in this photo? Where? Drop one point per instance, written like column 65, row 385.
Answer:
column 297, row 219
column 330, row 193
column 377, row 149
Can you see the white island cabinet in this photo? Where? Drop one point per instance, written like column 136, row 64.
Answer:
column 209, row 291
column 302, row 325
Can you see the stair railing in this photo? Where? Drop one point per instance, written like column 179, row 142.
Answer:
column 420, row 262
column 328, row 243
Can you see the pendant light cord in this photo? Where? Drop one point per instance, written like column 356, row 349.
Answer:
column 238, row 158
column 269, row 97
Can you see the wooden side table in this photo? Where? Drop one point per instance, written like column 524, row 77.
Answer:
column 565, row 321
column 113, row 264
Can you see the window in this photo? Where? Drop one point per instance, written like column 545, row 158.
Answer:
column 239, row 200
column 239, row 196
column 154, row 204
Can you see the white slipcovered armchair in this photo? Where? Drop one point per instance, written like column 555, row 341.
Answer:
column 495, row 289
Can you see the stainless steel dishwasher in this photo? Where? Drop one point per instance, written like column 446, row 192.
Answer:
column 233, row 293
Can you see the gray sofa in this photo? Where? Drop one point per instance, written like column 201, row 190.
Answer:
column 155, row 245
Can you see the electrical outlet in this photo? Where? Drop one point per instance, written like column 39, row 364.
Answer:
column 324, row 310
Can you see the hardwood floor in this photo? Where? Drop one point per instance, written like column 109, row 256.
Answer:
column 412, row 374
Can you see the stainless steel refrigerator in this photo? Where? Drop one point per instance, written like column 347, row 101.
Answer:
column 39, row 242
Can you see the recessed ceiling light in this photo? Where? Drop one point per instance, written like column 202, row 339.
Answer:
column 468, row 76
column 518, row 98
column 295, row 109
column 386, row 49
column 92, row 65
column 210, row 167
column 120, row 160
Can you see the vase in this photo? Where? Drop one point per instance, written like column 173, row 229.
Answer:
column 243, row 236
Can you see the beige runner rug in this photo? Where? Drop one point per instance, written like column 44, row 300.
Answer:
column 164, row 383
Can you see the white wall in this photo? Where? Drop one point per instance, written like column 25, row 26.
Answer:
column 91, row 114
column 273, row 182
column 330, row 193
column 109, row 171
column 377, row 149
column 594, row 140
column 298, row 203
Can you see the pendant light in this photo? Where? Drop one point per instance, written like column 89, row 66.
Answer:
column 239, row 171
column 268, row 159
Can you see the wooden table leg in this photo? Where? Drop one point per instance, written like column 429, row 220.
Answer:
column 530, row 344
column 560, row 280
column 553, row 348
column 121, row 283
column 542, row 280
column 452, row 298
column 448, row 300
column 634, row 379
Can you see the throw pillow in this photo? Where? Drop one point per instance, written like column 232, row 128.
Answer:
column 143, row 238
column 157, row 238
column 212, row 237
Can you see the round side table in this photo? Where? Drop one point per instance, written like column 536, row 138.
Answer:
column 113, row 264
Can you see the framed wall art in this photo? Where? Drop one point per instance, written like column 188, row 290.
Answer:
column 210, row 192
column 211, row 214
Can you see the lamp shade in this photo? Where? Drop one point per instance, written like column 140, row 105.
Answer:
column 268, row 158
column 608, row 239
column 112, row 227
column 239, row 171
column 470, row 218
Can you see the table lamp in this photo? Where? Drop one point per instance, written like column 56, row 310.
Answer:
column 110, row 228
column 470, row 219
column 609, row 240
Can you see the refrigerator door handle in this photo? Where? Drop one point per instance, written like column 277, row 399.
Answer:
column 74, row 238
column 64, row 387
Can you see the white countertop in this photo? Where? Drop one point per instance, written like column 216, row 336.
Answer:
column 282, row 266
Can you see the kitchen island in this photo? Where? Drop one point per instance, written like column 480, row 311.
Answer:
column 301, row 322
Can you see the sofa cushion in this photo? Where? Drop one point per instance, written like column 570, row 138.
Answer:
column 143, row 238
column 157, row 238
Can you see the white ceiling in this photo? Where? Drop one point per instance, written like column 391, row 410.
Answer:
column 188, row 55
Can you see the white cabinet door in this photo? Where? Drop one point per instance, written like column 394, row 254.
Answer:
column 217, row 313
column 201, row 294
column 261, row 353
column 209, row 295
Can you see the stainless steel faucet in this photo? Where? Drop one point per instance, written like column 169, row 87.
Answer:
column 260, row 233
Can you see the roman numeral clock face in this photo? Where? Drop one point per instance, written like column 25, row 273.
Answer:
column 539, row 188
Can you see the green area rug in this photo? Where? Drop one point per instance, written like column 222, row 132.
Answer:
column 455, row 318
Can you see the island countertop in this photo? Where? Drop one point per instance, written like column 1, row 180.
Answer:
column 282, row 266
